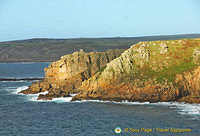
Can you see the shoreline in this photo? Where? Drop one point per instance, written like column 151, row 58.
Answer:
column 108, row 101
column 103, row 101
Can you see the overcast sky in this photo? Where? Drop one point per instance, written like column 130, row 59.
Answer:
column 24, row 19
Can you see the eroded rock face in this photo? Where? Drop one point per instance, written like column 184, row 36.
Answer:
column 67, row 74
column 189, row 86
column 167, row 73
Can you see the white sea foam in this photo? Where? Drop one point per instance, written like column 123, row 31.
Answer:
column 44, row 93
column 73, row 95
column 62, row 99
column 32, row 77
column 20, row 81
column 15, row 81
column 16, row 90
column 123, row 102
column 182, row 108
column 192, row 109
column 33, row 97
column 22, row 88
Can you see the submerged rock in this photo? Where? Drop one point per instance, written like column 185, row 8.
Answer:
column 53, row 94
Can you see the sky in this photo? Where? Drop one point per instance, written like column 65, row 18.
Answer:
column 25, row 19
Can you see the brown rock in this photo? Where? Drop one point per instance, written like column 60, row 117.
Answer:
column 68, row 73
column 132, row 77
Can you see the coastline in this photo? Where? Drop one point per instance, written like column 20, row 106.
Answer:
column 182, row 107
column 150, row 71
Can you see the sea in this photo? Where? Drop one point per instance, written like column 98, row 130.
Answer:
column 23, row 115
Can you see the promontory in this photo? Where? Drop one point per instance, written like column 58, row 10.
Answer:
column 154, row 71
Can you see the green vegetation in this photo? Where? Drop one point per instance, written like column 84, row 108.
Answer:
column 46, row 50
column 162, row 67
column 101, row 70
column 170, row 73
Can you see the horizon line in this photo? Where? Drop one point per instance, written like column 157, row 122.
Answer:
column 106, row 37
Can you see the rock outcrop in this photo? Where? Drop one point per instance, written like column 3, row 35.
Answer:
column 154, row 71
column 67, row 74
column 196, row 56
column 189, row 86
column 158, row 71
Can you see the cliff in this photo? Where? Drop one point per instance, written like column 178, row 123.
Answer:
column 64, row 76
column 155, row 71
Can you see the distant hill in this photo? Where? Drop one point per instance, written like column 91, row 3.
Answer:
column 47, row 50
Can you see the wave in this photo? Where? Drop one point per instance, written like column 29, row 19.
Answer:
column 33, row 97
column 20, row 79
column 19, row 89
column 181, row 108
column 123, row 102
column 15, row 81
column 14, row 90
column 184, row 108
column 58, row 100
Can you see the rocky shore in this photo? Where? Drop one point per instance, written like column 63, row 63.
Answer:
column 154, row 71
column 64, row 76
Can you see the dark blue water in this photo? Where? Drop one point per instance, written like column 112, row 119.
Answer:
column 20, row 115
column 22, row 70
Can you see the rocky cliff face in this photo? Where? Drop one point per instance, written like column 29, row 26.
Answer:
column 149, row 71
column 67, row 74
column 189, row 86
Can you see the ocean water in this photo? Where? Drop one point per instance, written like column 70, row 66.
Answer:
column 23, row 115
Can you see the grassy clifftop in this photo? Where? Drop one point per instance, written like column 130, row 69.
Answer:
column 165, row 59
